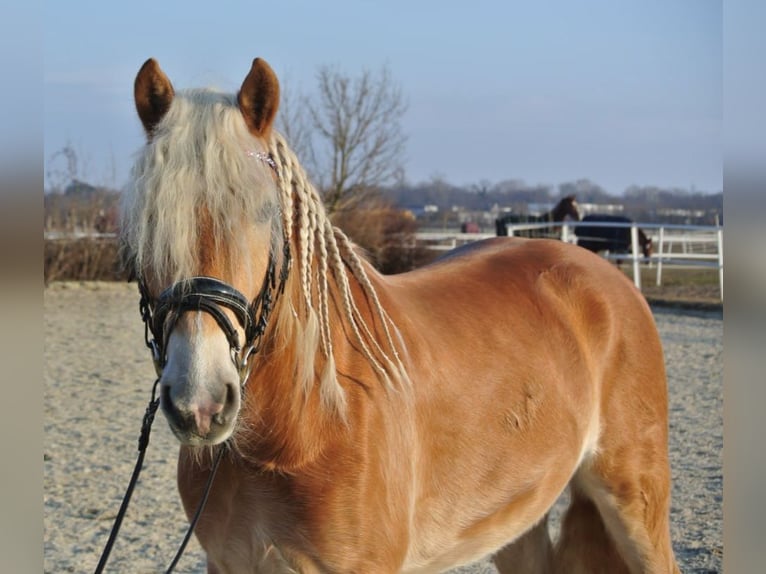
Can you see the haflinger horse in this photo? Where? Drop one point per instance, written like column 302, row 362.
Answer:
column 379, row 424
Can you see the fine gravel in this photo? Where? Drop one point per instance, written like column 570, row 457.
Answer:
column 98, row 378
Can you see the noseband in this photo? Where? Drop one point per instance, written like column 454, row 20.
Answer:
column 212, row 295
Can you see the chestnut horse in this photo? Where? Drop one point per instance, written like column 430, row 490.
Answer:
column 376, row 424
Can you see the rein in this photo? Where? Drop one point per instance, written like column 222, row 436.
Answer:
column 206, row 294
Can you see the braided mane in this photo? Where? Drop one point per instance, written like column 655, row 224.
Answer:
column 319, row 241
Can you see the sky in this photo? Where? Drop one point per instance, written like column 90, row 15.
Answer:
column 623, row 93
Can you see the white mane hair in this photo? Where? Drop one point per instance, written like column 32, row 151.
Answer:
column 201, row 154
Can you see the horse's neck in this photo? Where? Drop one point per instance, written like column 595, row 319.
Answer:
column 284, row 426
column 556, row 214
column 288, row 424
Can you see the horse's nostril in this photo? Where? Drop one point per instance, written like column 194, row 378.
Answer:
column 165, row 401
column 230, row 405
column 175, row 417
column 230, row 395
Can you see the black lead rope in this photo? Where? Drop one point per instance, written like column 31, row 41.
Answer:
column 197, row 514
column 143, row 442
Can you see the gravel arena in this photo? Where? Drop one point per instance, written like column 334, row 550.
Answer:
column 98, row 379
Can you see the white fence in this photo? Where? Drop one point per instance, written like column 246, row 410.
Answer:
column 682, row 246
column 77, row 234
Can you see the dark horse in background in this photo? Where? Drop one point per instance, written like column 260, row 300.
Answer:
column 567, row 206
column 611, row 239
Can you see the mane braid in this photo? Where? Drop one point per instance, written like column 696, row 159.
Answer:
column 317, row 240
column 352, row 311
column 323, row 293
column 369, row 290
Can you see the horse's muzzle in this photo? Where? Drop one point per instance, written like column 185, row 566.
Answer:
column 199, row 422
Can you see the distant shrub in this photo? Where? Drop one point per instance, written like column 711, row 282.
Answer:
column 83, row 259
column 386, row 234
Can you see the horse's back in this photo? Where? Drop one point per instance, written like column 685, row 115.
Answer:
column 530, row 288
column 520, row 274
column 526, row 301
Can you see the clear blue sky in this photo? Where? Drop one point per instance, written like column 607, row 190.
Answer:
column 622, row 92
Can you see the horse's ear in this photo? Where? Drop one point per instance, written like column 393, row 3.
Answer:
column 259, row 98
column 153, row 93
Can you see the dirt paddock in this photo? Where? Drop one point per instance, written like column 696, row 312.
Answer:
column 98, row 378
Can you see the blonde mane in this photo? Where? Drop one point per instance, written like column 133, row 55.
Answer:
column 196, row 157
column 202, row 155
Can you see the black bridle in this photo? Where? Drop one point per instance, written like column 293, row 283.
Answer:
column 211, row 295
column 160, row 316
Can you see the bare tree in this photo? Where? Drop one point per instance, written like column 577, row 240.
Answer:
column 60, row 176
column 481, row 188
column 354, row 141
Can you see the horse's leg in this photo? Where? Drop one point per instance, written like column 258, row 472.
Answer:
column 269, row 563
column 635, row 509
column 530, row 554
column 584, row 545
column 618, row 519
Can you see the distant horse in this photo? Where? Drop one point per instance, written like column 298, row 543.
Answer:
column 370, row 423
column 611, row 239
column 567, row 206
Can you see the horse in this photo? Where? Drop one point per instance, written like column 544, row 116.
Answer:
column 611, row 239
column 566, row 207
column 370, row 423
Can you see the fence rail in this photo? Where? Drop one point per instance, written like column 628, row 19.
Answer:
column 673, row 245
column 54, row 235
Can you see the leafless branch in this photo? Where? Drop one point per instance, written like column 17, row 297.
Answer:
column 355, row 142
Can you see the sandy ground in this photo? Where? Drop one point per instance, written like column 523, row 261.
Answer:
column 98, row 378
